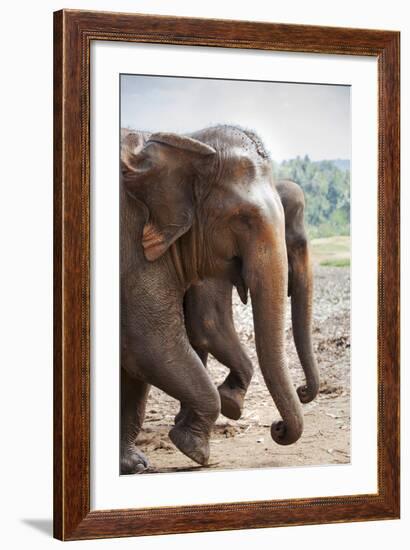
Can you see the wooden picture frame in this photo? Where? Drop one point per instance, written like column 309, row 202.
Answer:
column 74, row 32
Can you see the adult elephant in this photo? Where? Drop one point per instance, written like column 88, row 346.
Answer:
column 195, row 207
column 209, row 319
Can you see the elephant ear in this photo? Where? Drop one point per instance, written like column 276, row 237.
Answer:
column 175, row 218
column 132, row 144
column 156, row 240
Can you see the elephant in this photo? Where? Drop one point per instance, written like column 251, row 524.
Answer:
column 209, row 321
column 197, row 206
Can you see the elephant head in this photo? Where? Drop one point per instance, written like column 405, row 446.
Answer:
column 212, row 210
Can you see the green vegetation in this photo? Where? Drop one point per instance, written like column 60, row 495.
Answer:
column 331, row 251
column 326, row 185
column 344, row 262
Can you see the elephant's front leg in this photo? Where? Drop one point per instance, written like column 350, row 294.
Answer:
column 210, row 327
column 134, row 393
column 183, row 411
column 180, row 373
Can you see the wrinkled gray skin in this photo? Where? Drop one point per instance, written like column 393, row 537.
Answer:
column 209, row 321
column 197, row 207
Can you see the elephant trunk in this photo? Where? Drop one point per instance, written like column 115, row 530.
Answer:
column 268, row 287
column 301, row 300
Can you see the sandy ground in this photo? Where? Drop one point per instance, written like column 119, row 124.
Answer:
column 246, row 443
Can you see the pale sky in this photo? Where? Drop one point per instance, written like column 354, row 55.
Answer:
column 292, row 119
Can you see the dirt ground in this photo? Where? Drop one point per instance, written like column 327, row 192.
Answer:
column 246, row 443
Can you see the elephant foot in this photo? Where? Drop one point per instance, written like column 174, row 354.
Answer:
column 133, row 461
column 231, row 401
column 193, row 446
column 181, row 415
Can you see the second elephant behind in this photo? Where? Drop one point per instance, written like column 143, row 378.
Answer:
column 209, row 318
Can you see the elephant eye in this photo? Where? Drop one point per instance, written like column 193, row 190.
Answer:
column 145, row 163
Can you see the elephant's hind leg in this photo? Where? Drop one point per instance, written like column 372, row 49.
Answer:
column 134, row 393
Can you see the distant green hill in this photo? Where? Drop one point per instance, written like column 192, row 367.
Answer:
column 342, row 164
column 326, row 185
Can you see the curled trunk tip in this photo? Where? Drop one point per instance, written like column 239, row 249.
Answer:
column 283, row 434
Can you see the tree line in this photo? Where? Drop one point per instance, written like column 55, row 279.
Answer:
column 326, row 185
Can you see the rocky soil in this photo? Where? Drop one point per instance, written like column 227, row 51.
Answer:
column 246, row 443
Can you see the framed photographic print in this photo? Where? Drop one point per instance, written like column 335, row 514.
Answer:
column 226, row 275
